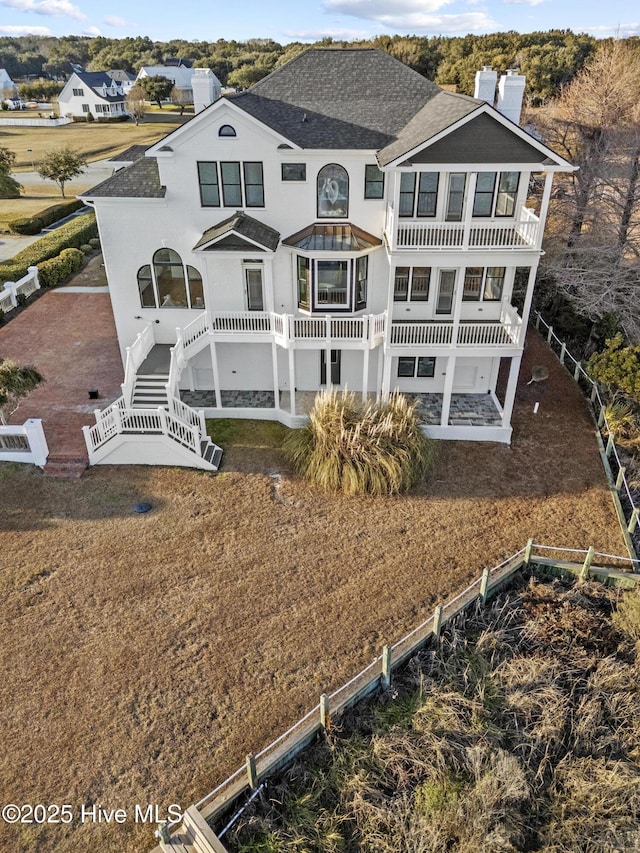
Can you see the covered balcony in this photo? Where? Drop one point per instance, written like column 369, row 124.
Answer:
column 522, row 232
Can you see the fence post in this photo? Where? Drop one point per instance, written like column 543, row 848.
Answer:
column 620, row 477
column 601, row 417
column 563, row 350
column 633, row 521
column 325, row 717
column 437, row 621
column 252, row 774
column 584, row 574
column 538, row 320
column 386, row 667
column 484, row 585
column 549, row 335
column 594, row 392
column 609, row 447
column 576, row 372
column 527, row 552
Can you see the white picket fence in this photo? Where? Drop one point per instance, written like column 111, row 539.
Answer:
column 25, row 286
column 26, row 443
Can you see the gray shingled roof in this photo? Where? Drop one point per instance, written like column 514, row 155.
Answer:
column 339, row 98
column 140, row 180
column 243, row 226
column 97, row 79
column 442, row 111
column 133, row 152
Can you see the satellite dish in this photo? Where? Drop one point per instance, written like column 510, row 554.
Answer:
column 539, row 373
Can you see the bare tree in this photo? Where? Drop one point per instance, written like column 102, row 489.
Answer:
column 181, row 98
column 593, row 254
column 136, row 103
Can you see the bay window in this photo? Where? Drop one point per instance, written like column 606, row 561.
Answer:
column 327, row 285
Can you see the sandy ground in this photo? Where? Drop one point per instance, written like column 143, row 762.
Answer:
column 144, row 655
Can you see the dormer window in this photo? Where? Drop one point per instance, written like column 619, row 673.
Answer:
column 333, row 192
column 227, row 130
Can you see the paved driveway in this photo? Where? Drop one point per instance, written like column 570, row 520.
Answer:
column 71, row 339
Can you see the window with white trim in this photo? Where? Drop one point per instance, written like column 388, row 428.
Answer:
column 79, row 93
column 411, row 284
column 420, row 367
column 483, row 284
column 373, row 182
column 294, row 171
column 418, row 194
column 338, row 284
column 495, row 194
column 333, row 192
column 231, row 184
column 168, row 283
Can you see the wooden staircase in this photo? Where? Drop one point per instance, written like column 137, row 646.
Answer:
column 150, row 392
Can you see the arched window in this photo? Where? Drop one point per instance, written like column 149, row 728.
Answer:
column 166, row 283
column 227, row 130
column 169, row 274
column 196, row 292
column 145, row 287
column 333, row 192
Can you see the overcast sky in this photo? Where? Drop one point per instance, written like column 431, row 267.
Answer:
column 292, row 20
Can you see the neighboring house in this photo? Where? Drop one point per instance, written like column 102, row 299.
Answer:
column 7, row 87
column 125, row 78
column 343, row 222
column 92, row 92
column 181, row 75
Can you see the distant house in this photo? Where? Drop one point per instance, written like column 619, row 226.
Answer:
column 124, row 77
column 92, row 92
column 180, row 75
column 6, row 84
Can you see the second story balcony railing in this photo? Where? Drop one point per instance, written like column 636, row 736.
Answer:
column 520, row 232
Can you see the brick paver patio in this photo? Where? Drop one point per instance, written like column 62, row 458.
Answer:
column 71, row 339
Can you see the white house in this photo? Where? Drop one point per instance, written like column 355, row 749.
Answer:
column 180, row 75
column 343, row 222
column 92, row 92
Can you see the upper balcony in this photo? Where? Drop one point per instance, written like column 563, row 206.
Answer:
column 522, row 232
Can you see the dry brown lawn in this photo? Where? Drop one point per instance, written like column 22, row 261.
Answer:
column 144, row 655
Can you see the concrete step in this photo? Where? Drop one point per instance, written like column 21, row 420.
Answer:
column 68, row 467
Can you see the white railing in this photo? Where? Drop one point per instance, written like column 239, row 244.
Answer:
column 25, row 443
column 379, row 324
column 136, row 354
column 117, row 419
column 521, row 233
column 422, row 334
column 194, row 330
column 25, row 286
column 464, row 335
column 241, row 321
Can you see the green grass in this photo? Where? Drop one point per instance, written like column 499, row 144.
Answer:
column 228, row 432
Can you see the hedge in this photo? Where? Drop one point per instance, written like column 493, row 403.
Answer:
column 71, row 235
column 57, row 270
column 35, row 224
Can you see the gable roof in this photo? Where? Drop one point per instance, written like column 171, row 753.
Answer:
column 340, row 98
column 140, row 180
column 239, row 232
column 96, row 80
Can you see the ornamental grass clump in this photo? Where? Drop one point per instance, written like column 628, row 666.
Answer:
column 361, row 448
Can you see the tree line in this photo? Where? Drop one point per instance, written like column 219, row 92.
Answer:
column 549, row 59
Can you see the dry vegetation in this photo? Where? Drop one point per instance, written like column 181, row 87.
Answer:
column 517, row 733
column 144, row 655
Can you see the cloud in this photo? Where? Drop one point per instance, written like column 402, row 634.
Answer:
column 611, row 30
column 50, row 8
column 25, row 31
column 91, row 31
column 524, row 2
column 333, row 33
column 375, row 10
column 114, row 21
column 414, row 16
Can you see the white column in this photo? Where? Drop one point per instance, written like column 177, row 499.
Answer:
column 544, row 207
column 509, row 398
column 269, row 298
column 190, row 379
column 216, row 375
column 292, row 380
column 386, row 377
column 468, row 207
column 365, row 374
column 381, row 361
column 276, row 382
column 37, row 441
column 526, row 309
column 448, row 388
column 327, row 358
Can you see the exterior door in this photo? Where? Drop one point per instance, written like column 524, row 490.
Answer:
column 335, row 366
column 254, row 288
column 446, row 292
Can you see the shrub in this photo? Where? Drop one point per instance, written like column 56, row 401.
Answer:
column 357, row 448
column 35, row 224
column 86, row 248
column 1, row 316
column 72, row 234
column 94, row 242
column 56, row 271
column 27, row 225
column 618, row 367
column 21, row 299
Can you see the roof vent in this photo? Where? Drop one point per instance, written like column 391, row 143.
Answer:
column 304, row 117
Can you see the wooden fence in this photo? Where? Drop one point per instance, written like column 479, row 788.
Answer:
column 183, row 836
column 626, row 503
